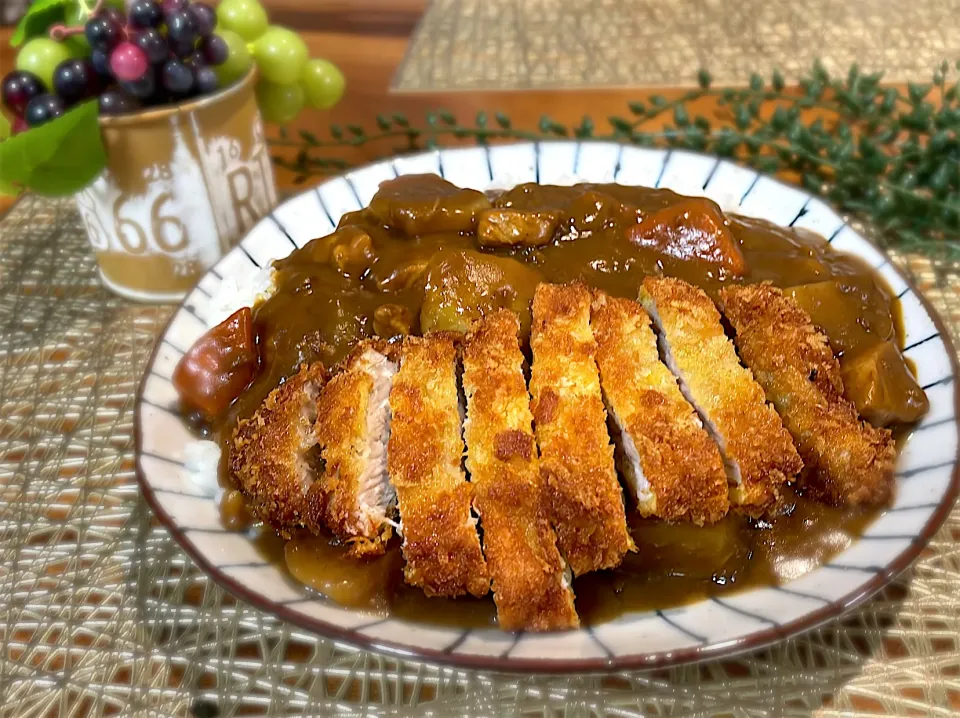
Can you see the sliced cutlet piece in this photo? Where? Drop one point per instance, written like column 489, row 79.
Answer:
column 440, row 542
column 847, row 461
column 758, row 452
column 670, row 463
column 353, row 496
column 530, row 588
column 576, row 457
column 272, row 456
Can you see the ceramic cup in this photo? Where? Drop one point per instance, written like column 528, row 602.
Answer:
column 183, row 184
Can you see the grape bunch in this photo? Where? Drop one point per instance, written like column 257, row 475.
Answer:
column 166, row 51
column 289, row 78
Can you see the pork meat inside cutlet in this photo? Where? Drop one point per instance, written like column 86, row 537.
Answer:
column 670, row 463
column 353, row 496
column 440, row 542
column 576, row 457
column 272, row 457
column 529, row 586
column 758, row 452
column 847, row 461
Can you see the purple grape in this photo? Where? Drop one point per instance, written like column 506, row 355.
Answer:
column 205, row 80
column 141, row 88
column 103, row 33
column 215, row 49
column 76, row 80
column 114, row 14
column 42, row 109
column 204, row 18
column 145, row 13
column 176, row 77
column 172, row 6
column 153, row 45
column 181, row 32
column 19, row 87
column 117, row 102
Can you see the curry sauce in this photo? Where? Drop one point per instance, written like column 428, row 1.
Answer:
column 426, row 256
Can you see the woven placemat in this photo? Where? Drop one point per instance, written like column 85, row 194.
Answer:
column 102, row 613
column 537, row 44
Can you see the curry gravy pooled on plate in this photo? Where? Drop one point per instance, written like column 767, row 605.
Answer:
column 430, row 259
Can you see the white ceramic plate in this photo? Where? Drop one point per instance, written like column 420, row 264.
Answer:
column 927, row 477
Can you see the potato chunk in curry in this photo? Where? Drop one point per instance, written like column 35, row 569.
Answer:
column 851, row 310
column 463, row 286
column 421, row 204
column 879, row 382
column 516, row 227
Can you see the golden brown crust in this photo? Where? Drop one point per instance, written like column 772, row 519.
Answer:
column 269, row 450
column 334, row 500
column 582, row 491
column 724, row 392
column 440, row 541
column 847, row 460
column 679, row 460
column 519, row 544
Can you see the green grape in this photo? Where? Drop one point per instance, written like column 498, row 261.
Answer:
column 247, row 18
column 238, row 60
column 41, row 57
column 279, row 103
column 280, row 55
column 322, row 83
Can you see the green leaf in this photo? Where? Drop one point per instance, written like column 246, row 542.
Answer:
column 620, row 124
column 756, row 82
column 680, row 116
column 481, row 119
column 447, row 117
column 704, row 79
column 356, row 130
column 38, row 19
column 58, row 158
column 658, row 100
column 502, row 120
column 400, row 120
column 917, row 91
column 778, row 82
column 637, row 108
column 336, row 131
column 383, row 123
column 309, row 137
column 585, row 129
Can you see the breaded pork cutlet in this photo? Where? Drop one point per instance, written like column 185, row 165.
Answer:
column 758, row 452
column 670, row 463
column 440, row 542
column 847, row 460
column 529, row 585
column 576, row 457
column 352, row 495
column 272, row 456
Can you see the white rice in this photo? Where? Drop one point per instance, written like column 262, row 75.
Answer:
column 202, row 460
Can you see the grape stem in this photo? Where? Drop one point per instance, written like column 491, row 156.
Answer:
column 61, row 32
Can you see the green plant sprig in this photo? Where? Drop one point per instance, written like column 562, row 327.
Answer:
column 881, row 154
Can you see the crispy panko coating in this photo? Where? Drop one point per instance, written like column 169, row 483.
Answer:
column 755, row 446
column 272, row 454
column 665, row 453
column 847, row 460
column 529, row 585
column 440, row 542
column 581, row 488
column 352, row 495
